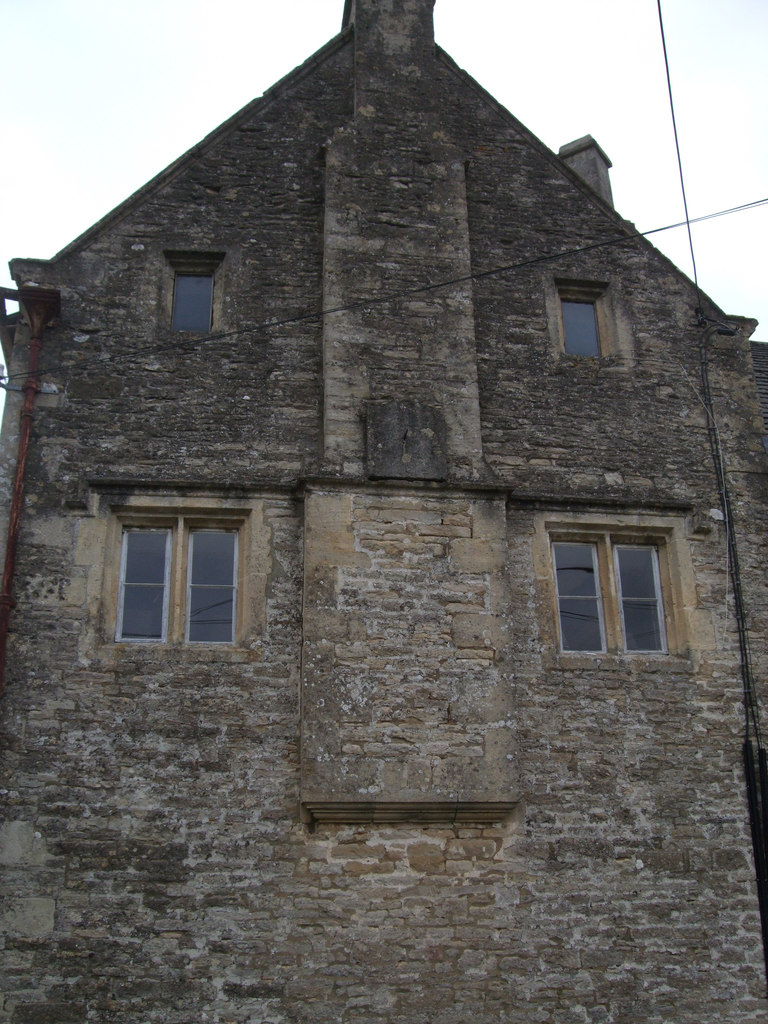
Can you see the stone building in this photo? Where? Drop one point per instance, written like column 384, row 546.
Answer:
column 371, row 649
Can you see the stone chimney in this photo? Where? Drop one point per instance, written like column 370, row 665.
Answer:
column 588, row 160
column 392, row 27
column 394, row 40
column 401, row 393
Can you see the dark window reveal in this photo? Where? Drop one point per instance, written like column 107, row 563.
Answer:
column 580, row 329
column 192, row 302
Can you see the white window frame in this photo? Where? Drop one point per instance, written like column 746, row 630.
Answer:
column 657, row 602
column 598, row 597
column 127, row 532
column 190, row 586
column 605, row 546
column 179, row 530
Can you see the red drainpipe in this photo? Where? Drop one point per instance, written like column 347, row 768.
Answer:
column 40, row 306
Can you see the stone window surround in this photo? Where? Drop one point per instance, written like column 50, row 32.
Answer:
column 613, row 331
column 183, row 262
column 665, row 533
column 181, row 516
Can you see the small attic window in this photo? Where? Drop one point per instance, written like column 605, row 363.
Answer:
column 195, row 282
column 580, row 328
column 192, row 302
column 585, row 324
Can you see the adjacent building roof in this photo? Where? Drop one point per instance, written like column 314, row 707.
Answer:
column 760, row 363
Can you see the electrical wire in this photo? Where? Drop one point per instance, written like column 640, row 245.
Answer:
column 755, row 767
column 677, row 151
column 753, row 749
column 710, row 327
column 181, row 343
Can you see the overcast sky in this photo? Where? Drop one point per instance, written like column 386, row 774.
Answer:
column 99, row 96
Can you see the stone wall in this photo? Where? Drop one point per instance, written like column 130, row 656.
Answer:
column 157, row 867
column 404, row 691
column 393, row 798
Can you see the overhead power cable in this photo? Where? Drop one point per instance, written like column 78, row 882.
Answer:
column 677, row 151
column 754, row 752
column 181, row 343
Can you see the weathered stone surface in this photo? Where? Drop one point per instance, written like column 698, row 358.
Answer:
column 398, row 639
column 19, row 844
column 405, row 440
column 403, row 707
column 29, row 917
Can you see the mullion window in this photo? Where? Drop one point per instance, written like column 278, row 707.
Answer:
column 625, row 605
column 153, row 567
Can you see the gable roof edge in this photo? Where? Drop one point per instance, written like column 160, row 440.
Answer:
column 540, row 146
column 270, row 95
column 626, row 226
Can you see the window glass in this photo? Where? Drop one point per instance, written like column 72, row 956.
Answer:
column 580, row 328
column 640, row 594
column 144, row 577
column 192, row 302
column 211, row 592
column 578, row 594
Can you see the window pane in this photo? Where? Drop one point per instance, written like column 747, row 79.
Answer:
column 211, row 614
column 143, row 613
column 192, row 299
column 636, row 572
column 641, row 607
column 575, row 570
column 580, row 624
column 578, row 594
column 145, row 556
column 213, row 558
column 642, row 631
column 143, row 585
column 211, row 594
column 580, row 329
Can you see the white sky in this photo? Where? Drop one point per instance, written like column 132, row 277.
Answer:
column 100, row 96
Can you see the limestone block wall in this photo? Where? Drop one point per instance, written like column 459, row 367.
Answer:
column 393, row 798
column 405, row 697
column 377, row 231
column 155, row 863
